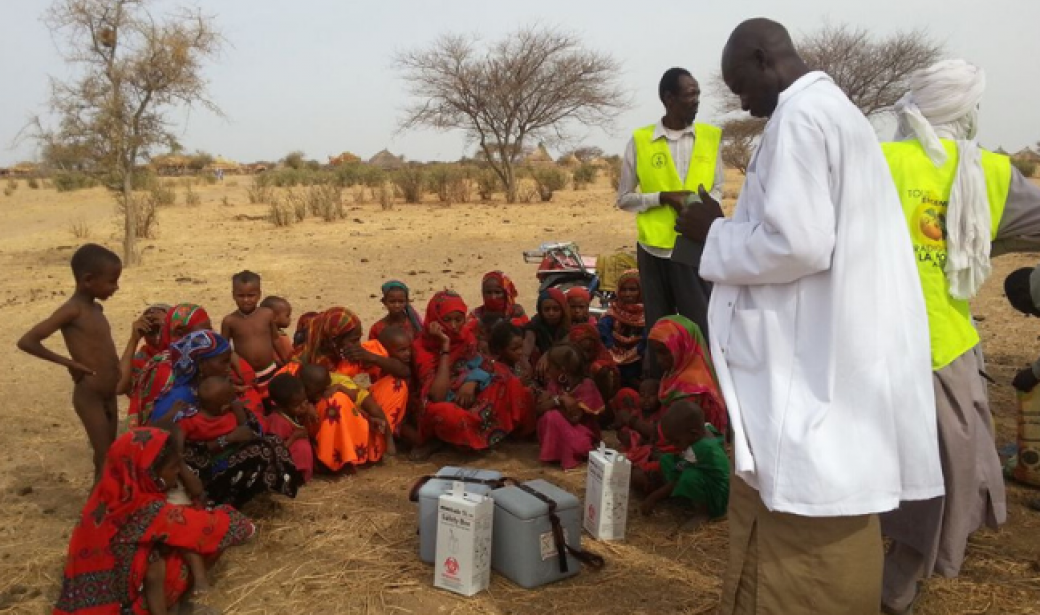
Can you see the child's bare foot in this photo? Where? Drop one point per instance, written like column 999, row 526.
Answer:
column 424, row 452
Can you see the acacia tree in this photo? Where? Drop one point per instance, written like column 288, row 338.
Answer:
column 738, row 141
column 874, row 72
column 133, row 68
column 533, row 84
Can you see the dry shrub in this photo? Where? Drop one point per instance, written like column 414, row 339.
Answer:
column 461, row 191
column 280, row 213
column 615, row 171
column 411, row 180
column 12, row 184
column 296, row 202
column 327, row 201
column 584, row 175
column 260, row 192
column 526, row 191
column 80, row 229
column 8, row 191
column 226, row 202
column 162, row 195
column 449, row 183
column 386, row 197
column 67, row 182
column 232, row 184
column 488, row 183
column 33, row 183
column 192, row 198
column 359, row 195
column 548, row 180
column 147, row 205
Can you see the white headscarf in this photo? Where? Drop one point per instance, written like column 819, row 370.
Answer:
column 943, row 103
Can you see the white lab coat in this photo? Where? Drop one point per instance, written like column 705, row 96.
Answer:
column 819, row 329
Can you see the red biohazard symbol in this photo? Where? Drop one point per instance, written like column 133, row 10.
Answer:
column 592, row 511
column 451, row 566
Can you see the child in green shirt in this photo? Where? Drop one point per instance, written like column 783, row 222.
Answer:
column 700, row 473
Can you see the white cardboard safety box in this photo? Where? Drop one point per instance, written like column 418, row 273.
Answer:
column 606, row 494
column 464, row 538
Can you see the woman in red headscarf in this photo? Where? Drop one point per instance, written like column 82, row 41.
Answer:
column 500, row 298
column 125, row 555
column 602, row 369
column 622, row 329
column 682, row 353
column 155, row 377
column 467, row 400
column 381, row 370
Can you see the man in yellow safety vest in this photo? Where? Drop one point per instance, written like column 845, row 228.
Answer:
column 664, row 164
column 961, row 203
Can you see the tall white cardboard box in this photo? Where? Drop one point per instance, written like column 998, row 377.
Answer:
column 606, row 494
column 463, row 556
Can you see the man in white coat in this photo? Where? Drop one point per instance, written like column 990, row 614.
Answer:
column 820, row 340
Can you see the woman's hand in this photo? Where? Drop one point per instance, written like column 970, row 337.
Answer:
column 437, row 331
column 542, row 367
column 571, row 408
column 467, row 395
column 355, row 354
column 140, row 328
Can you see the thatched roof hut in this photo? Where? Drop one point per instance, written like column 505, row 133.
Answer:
column 223, row 164
column 570, row 161
column 1027, row 154
column 24, row 169
column 170, row 164
column 386, row 160
column 538, row 155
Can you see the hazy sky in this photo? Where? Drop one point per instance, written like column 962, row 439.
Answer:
column 316, row 75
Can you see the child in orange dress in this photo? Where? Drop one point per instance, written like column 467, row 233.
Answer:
column 351, row 429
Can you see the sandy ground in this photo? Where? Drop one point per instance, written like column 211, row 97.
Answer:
column 348, row 545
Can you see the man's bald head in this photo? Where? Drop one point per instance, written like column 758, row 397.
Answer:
column 758, row 62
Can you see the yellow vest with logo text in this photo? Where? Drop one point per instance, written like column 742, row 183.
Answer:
column 924, row 190
column 656, row 172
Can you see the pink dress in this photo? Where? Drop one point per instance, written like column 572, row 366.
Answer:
column 563, row 442
column 301, row 451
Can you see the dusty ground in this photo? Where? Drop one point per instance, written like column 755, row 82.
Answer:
column 348, row 545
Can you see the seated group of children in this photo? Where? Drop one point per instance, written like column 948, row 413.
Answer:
column 254, row 410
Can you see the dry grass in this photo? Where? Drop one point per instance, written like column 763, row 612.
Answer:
column 348, row 545
column 80, row 229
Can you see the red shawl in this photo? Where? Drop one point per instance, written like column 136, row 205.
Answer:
column 181, row 320
column 124, row 520
column 201, row 427
column 427, row 349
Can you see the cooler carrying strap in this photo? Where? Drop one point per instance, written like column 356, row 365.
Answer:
column 562, row 548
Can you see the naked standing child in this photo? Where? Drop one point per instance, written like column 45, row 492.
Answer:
column 94, row 364
column 253, row 329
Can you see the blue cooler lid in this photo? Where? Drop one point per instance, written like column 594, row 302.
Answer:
column 525, row 506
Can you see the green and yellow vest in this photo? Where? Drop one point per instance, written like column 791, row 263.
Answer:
column 924, row 190
column 656, row 172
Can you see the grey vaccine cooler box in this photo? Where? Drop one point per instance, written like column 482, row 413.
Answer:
column 476, row 481
column 524, row 548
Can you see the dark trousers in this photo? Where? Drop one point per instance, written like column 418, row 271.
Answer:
column 671, row 288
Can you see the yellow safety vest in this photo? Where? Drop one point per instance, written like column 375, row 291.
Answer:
column 924, row 190
column 656, row 172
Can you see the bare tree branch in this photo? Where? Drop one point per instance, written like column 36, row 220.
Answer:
column 534, row 84
column 133, row 71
